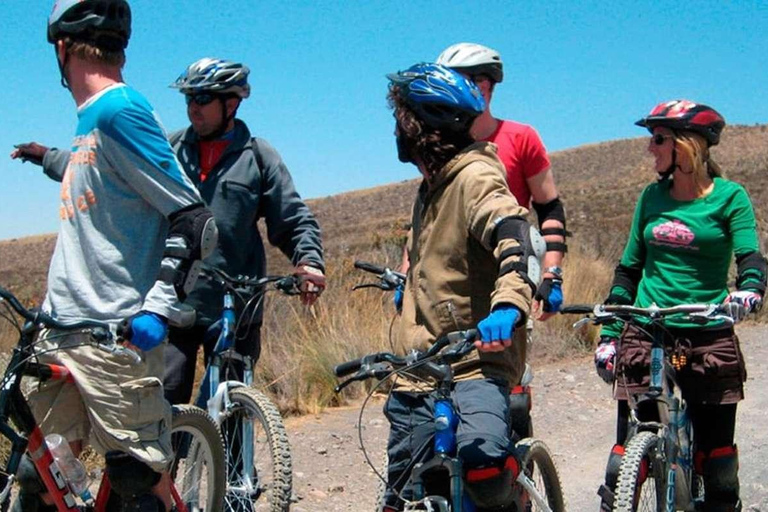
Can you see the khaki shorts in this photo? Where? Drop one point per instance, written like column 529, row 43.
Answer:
column 713, row 374
column 112, row 405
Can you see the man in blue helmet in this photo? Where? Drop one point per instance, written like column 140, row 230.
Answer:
column 242, row 179
column 132, row 229
column 473, row 263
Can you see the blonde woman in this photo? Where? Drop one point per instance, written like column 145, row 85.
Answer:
column 686, row 228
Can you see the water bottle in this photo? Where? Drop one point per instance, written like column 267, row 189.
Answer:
column 445, row 425
column 70, row 466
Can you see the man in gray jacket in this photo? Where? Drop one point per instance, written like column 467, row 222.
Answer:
column 241, row 179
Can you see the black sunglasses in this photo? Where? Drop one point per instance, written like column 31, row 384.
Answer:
column 659, row 139
column 202, row 98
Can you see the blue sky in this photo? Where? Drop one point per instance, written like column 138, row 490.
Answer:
column 580, row 72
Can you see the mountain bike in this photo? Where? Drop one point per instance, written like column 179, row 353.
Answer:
column 257, row 452
column 537, row 486
column 194, row 487
column 656, row 472
column 520, row 395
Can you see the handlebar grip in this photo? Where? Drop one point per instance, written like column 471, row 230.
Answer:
column 577, row 309
column 345, row 369
column 369, row 267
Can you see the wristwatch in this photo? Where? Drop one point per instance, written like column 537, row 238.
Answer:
column 555, row 271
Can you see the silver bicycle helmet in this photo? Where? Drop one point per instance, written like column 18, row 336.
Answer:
column 473, row 59
column 214, row 75
column 106, row 23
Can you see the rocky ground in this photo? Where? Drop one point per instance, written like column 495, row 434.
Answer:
column 573, row 413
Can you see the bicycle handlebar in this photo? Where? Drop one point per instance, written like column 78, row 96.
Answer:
column 603, row 312
column 458, row 344
column 388, row 279
column 286, row 284
column 102, row 334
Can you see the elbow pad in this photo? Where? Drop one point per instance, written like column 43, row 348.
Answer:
column 192, row 236
column 552, row 210
column 751, row 270
column 627, row 278
column 525, row 258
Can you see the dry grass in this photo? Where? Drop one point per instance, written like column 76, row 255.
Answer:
column 599, row 184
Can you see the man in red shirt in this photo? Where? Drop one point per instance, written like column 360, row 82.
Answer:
column 524, row 156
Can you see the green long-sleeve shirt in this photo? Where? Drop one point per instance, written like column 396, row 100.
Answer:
column 684, row 248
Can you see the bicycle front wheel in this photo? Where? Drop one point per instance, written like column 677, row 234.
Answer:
column 259, row 471
column 641, row 484
column 536, row 462
column 198, row 469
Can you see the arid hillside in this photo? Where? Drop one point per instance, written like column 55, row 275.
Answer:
column 599, row 184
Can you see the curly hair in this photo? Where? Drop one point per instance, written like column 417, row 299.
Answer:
column 433, row 147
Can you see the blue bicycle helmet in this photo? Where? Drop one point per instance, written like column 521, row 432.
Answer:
column 104, row 22
column 439, row 96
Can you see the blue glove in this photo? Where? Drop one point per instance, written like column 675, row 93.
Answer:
column 398, row 299
column 500, row 324
column 148, row 330
column 550, row 291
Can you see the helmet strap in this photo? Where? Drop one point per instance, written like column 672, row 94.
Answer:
column 225, row 119
column 663, row 176
column 62, row 66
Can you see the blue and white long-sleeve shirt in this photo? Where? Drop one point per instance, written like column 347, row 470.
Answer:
column 119, row 183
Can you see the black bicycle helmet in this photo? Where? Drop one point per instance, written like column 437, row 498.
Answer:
column 105, row 23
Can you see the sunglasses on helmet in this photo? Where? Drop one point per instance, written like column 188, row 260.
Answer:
column 201, row 98
column 659, row 139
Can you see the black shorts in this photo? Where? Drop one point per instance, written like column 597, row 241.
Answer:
column 714, row 371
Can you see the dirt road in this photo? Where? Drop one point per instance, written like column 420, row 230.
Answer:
column 573, row 413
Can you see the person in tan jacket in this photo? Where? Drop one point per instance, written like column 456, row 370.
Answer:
column 474, row 263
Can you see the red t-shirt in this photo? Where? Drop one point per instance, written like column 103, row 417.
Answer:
column 523, row 154
column 210, row 154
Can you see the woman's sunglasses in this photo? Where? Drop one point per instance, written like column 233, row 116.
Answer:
column 202, row 98
column 659, row 139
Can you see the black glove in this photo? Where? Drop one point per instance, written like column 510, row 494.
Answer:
column 550, row 292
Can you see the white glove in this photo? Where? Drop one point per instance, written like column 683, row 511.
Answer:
column 740, row 303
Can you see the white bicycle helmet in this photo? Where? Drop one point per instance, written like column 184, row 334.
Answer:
column 473, row 59
column 214, row 75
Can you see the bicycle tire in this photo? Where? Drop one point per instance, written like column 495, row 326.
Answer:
column 269, row 490
column 649, row 497
column 536, row 460
column 199, row 466
column 381, row 488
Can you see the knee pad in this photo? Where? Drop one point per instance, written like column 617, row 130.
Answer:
column 492, row 487
column 144, row 503
column 720, row 469
column 607, row 490
column 28, row 478
column 129, row 477
column 31, row 503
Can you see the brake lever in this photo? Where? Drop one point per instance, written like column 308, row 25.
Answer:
column 579, row 323
column 370, row 285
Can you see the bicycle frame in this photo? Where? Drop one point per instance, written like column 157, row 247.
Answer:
column 673, row 421
column 213, row 395
column 30, row 438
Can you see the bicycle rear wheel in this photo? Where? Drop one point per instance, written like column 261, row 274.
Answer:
column 641, row 484
column 259, row 469
column 198, row 469
column 536, row 461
